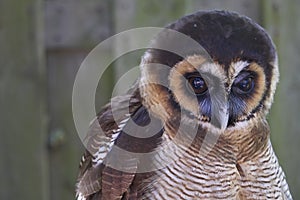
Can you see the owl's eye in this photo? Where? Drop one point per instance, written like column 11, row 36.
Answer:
column 245, row 85
column 197, row 84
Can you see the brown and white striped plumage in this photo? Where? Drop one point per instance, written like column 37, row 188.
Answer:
column 241, row 164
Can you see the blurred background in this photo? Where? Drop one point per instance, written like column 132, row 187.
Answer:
column 42, row 44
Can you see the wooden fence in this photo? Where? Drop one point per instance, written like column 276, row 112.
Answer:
column 43, row 43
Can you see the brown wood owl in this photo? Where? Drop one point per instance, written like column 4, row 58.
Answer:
column 194, row 125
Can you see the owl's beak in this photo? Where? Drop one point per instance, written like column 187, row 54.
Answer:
column 219, row 100
column 221, row 115
column 220, row 107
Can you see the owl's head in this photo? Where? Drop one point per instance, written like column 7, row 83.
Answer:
column 232, row 77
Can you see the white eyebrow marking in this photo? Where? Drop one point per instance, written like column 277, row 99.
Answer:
column 235, row 69
column 238, row 67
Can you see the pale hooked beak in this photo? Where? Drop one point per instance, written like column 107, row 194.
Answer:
column 220, row 114
column 219, row 101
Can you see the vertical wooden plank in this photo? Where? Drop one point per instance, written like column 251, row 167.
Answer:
column 73, row 29
column 64, row 145
column 245, row 7
column 76, row 24
column 24, row 161
column 130, row 14
column 283, row 20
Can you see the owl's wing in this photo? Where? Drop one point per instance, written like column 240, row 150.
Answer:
column 97, row 180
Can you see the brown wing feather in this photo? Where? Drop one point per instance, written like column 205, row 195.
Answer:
column 94, row 179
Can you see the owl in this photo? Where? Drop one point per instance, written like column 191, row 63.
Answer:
column 194, row 125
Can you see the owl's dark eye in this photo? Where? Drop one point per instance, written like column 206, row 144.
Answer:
column 197, row 84
column 245, row 85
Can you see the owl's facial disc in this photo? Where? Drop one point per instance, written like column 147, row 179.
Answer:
column 221, row 96
column 200, row 91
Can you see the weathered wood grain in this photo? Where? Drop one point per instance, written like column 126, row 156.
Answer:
column 23, row 119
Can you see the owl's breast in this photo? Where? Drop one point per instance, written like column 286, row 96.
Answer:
column 194, row 178
column 189, row 174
